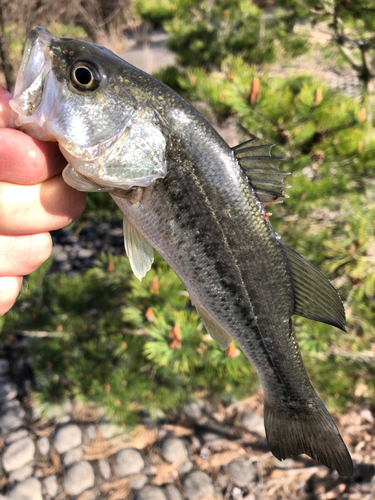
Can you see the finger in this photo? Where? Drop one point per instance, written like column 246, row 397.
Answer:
column 40, row 208
column 9, row 290
column 22, row 254
column 5, row 110
column 25, row 160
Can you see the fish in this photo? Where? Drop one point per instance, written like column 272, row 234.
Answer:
column 199, row 203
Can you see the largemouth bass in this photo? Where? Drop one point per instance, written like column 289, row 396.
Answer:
column 200, row 204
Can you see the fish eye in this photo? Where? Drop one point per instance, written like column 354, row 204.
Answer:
column 85, row 76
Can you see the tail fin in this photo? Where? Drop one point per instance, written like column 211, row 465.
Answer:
column 309, row 429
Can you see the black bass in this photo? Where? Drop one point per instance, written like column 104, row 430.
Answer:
column 200, row 204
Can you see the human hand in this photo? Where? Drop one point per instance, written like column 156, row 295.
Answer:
column 34, row 199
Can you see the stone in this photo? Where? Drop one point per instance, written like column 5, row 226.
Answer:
column 128, row 462
column 13, row 417
column 198, row 486
column 43, row 445
column 18, row 454
column 51, row 486
column 211, row 436
column 21, row 474
column 172, row 492
column 30, row 489
column 85, row 253
column 253, row 422
column 150, row 493
column 186, row 467
column 90, row 433
column 67, row 437
column 138, row 482
column 242, row 472
column 193, row 411
column 15, row 436
column 4, row 366
column 8, row 390
column 72, row 456
column 173, row 450
column 109, row 430
column 283, row 464
column 105, row 469
column 79, row 477
column 60, row 256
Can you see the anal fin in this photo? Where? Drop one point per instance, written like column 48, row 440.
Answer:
column 216, row 332
column 314, row 295
column 138, row 250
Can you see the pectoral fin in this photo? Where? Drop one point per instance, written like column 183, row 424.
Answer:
column 138, row 250
column 80, row 182
column 216, row 332
column 314, row 295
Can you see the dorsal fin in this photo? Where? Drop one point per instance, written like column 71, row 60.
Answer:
column 262, row 170
column 314, row 295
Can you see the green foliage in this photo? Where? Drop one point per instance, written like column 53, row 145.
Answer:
column 203, row 33
column 155, row 11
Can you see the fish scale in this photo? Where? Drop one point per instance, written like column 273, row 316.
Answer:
column 200, row 204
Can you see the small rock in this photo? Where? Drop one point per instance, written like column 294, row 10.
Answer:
column 21, row 474
column 8, row 390
column 85, row 253
column 43, row 445
column 13, row 417
column 211, row 436
column 18, row 454
column 105, row 469
column 138, row 482
column 172, row 492
column 186, row 467
column 90, row 433
column 242, row 472
column 173, row 450
column 198, row 486
column 67, row 437
column 129, row 461
column 253, row 422
column 51, row 486
column 195, row 443
column 193, row 411
column 30, row 489
column 150, row 493
column 4, row 366
column 72, row 456
column 15, row 436
column 60, row 256
column 283, row 464
column 79, row 477
column 36, row 412
column 109, row 430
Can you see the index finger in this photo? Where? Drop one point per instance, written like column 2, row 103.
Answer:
column 23, row 159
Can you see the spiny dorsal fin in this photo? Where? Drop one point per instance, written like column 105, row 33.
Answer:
column 262, row 170
column 314, row 295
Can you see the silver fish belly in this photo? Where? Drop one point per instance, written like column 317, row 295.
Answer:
column 200, row 204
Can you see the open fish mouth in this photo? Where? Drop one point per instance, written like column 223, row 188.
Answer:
column 36, row 87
